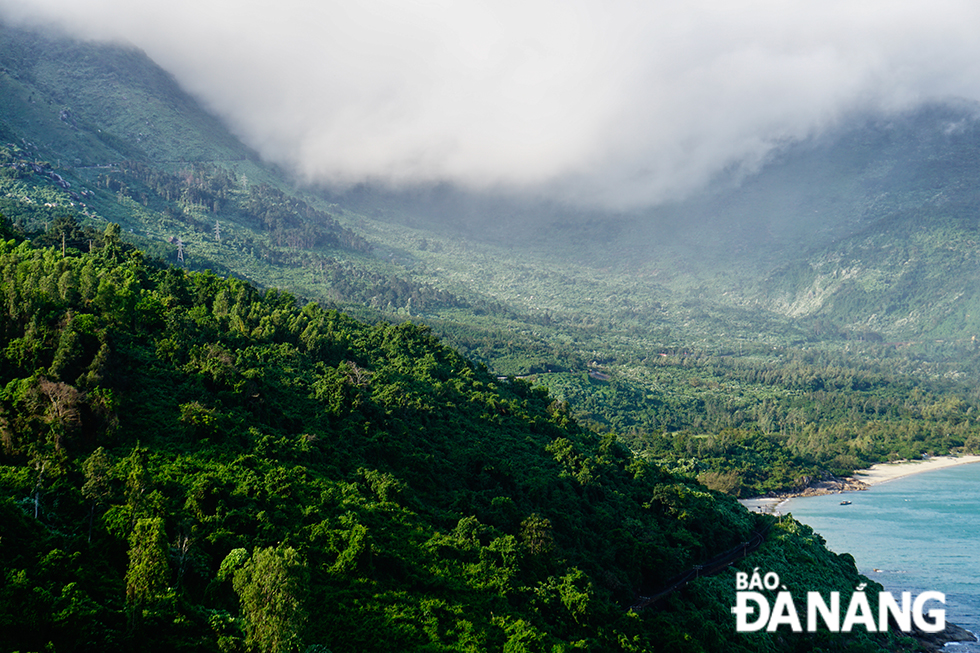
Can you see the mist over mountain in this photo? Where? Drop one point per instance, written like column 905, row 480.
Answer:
column 810, row 193
column 817, row 231
column 615, row 106
column 802, row 317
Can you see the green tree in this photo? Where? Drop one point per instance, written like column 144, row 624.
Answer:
column 146, row 578
column 270, row 586
column 98, row 470
column 112, row 241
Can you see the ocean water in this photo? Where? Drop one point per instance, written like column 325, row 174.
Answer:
column 917, row 533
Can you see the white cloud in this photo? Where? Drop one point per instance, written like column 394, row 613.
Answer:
column 614, row 103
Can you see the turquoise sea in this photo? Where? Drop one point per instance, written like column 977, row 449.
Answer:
column 916, row 533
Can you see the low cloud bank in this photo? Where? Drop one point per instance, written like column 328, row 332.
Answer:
column 611, row 105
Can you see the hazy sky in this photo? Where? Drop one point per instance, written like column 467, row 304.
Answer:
column 611, row 103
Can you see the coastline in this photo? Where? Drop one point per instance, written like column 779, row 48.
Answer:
column 884, row 472
column 862, row 480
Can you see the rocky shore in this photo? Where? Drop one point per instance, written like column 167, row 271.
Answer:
column 828, row 484
column 862, row 480
column 938, row 641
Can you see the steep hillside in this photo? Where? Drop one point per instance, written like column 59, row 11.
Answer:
column 907, row 265
column 731, row 336
column 911, row 276
column 102, row 134
column 188, row 463
column 92, row 105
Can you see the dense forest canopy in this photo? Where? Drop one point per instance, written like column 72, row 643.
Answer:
column 190, row 463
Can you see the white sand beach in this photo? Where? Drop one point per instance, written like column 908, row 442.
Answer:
column 862, row 479
column 884, row 472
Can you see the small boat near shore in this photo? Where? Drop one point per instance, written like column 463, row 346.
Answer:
column 845, row 502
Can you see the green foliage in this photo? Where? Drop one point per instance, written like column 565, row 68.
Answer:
column 751, row 426
column 769, row 396
column 159, row 425
column 147, row 575
column 363, row 487
column 271, row 587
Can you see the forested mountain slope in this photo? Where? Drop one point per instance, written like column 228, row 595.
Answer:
column 190, row 464
column 102, row 134
column 871, row 226
column 176, row 444
column 901, row 254
column 94, row 105
column 788, row 331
